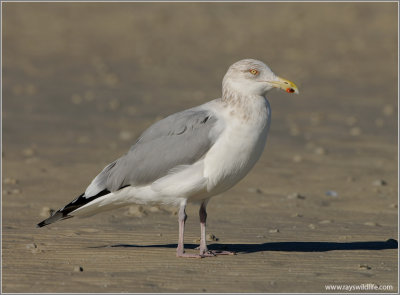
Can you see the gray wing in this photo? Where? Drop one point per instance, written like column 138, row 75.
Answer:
column 180, row 139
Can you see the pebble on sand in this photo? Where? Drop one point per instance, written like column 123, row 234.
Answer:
column 136, row 210
column 364, row 266
column 331, row 193
column 14, row 191
column 294, row 130
column 388, row 110
column 312, row 226
column 379, row 182
column 33, row 248
column 371, row 223
column 154, row 209
column 125, row 135
column 274, row 230
column 297, row 215
column 320, row 151
column 211, row 238
column 355, row 131
column 9, row 180
column 297, row 158
column 254, row 190
column 28, row 152
column 78, row 268
column 296, row 196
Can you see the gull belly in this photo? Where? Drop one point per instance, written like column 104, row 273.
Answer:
column 238, row 147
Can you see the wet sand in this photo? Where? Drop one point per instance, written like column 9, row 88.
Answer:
column 81, row 81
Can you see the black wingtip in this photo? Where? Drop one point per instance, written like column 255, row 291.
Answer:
column 75, row 204
column 41, row 224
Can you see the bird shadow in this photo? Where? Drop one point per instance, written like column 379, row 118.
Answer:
column 279, row 246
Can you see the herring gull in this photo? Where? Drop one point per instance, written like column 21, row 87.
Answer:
column 190, row 156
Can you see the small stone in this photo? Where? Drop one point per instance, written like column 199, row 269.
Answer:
column 388, row 110
column 111, row 79
column 154, row 209
column 364, row 266
column 211, row 237
column 9, row 180
column 331, row 194
column 254, row 190
column 345, row 237
column 371, row 223
column 28, row 152
column 78, row 268
column 15, row 191
column 350, row 179
column 125, row 135
column 297, row 158
column 355, row 131
column 320, row 151
column 297, row 215
column 312, row 226
column 33, row 248
column 260, row 236
column 393, row 206
column 296, row 196
column 379, row 182
column 326, row 221
column 136, row 211
column 273, row 231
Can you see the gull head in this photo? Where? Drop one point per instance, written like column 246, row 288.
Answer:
column 250, row 77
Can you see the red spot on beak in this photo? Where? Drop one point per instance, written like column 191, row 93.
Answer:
column 290, row 90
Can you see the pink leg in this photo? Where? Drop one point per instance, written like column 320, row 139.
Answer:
column 204, row 252
column 180, row 251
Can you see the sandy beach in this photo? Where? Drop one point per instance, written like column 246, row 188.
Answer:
column 82, row 80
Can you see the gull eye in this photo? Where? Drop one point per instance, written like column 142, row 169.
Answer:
column 253, row 72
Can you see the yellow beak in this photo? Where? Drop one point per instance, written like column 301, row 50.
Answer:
column 286, row 85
